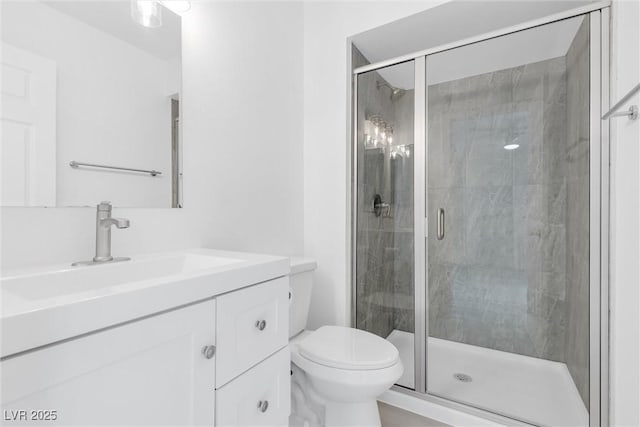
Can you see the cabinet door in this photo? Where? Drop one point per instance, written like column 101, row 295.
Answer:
column 259, row 397
column 147, row 372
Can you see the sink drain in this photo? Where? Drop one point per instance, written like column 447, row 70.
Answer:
column 463, row 377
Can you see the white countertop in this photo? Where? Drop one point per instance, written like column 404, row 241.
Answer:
column 29, row 321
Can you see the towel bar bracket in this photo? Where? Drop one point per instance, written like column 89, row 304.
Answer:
column 631, row 113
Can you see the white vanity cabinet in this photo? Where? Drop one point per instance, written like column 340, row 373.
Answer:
column 223, row 361
column 150, row 371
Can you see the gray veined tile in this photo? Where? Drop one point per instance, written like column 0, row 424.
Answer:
column 529, row 84
column 555, row 203
column 540, row 304
column 554, row 248
column 489, row 226
column 554, row 342
column 554, row 283
column 511, row 269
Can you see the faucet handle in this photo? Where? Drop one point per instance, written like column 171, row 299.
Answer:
column 105, row 206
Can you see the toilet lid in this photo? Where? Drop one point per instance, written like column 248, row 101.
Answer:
column 348, row 348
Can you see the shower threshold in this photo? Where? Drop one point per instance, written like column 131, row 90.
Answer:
column 531, row 389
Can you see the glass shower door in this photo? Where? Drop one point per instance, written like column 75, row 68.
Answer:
column 384, row 236
column 508, row 224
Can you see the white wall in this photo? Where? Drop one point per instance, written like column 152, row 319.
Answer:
column 242, row 134
column 625, row 220
column 327, row 25
column 112, row 107
column 243, row 112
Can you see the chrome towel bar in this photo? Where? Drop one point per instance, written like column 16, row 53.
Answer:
column 632, row 112
column 76, row 165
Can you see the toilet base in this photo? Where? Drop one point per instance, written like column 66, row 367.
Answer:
column 352, row 414
column 336, row 397
column 308, row 409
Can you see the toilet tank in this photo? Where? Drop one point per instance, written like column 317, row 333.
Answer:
column 300, row 282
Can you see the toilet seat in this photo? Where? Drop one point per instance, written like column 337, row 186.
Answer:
column 348, row 348
column 345, row 377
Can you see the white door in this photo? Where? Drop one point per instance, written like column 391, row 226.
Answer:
column 28, row 121
column 149, row 372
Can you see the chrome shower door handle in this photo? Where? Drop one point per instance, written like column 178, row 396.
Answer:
column 440, row 233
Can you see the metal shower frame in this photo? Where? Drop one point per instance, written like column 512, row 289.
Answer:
column 598, row 14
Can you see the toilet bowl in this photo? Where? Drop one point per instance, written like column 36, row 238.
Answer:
column 337, row 372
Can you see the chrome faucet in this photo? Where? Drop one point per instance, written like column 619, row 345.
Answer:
column 104, row 221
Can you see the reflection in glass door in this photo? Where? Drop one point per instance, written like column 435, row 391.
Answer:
column 508, row 224
column 384, row 234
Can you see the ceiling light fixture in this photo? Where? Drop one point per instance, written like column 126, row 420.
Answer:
column 147, row 13
column 377, row 132
column 177, row 6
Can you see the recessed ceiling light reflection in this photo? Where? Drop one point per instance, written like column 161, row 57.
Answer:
column 513, row 144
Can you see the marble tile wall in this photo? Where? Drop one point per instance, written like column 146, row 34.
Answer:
column 577, row 225
column 498, row 277
column 384, row 254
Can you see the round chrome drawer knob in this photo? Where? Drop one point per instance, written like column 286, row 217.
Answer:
column 263, row 405
column 208, row 351
column 261, row 324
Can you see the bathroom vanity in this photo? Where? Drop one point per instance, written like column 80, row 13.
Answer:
column 195, row 337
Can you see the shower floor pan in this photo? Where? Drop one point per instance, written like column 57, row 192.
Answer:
column 535, row 390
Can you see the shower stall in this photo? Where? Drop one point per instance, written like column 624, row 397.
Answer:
column 479, row 222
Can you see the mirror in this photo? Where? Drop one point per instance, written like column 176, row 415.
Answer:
column 90, row 105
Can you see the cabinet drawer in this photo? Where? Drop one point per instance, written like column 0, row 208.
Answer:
column 252, row 324
column 259, row 397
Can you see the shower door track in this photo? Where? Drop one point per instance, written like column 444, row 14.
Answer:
column 599, row 15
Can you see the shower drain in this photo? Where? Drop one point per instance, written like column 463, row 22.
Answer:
column 463, row 377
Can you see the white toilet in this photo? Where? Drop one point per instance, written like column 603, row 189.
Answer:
column 337, row 372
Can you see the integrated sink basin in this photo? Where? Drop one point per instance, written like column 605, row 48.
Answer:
column 66, row 281
column 60, row 302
